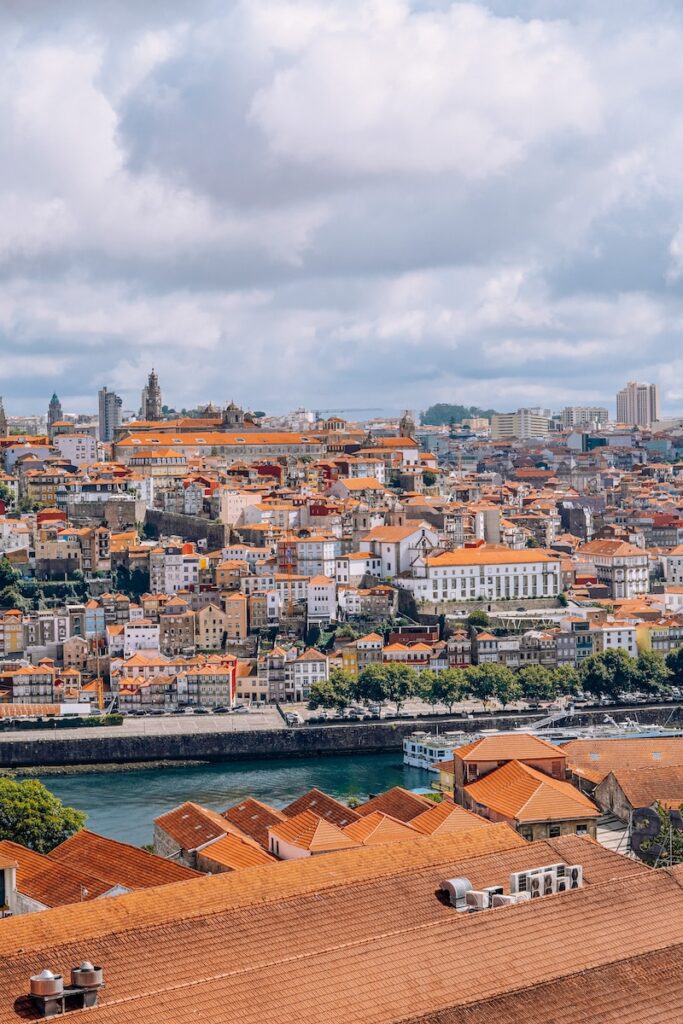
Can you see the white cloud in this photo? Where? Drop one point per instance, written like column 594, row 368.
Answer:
column 399, row 92
column 340, row 201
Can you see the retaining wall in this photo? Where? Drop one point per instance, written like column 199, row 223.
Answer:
column 301, row 741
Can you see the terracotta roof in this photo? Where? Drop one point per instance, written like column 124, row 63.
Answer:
column 376, row 828
column 521, row 793
column 445, row 818
column 254, row 819
column 391, row 534
column 398, row 803
column 118, row 863
column 202, row 896
column 309, row 832
column 643, row 787
column 49, row 883
column 489, row 556
column 509, row 746
column 191, row 826
column 324, row 806
column 372, row 951
column 235, row 853
column 594, row 759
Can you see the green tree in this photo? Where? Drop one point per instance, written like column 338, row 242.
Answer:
column 479, row 682
column 32, row 816
column 478, row 619
column 651, row 672
column 506, row 687
column 401, row 683
column 674, row 663
column 6, row 494
column 427, row 687
column 608, row 672
column 334, row 692
column 10, row 597
column 442, row 413
column 536, row 682
column 429, row 478
column 450, row 687
column 567, row 680
column 371, row 685
column 9, row 576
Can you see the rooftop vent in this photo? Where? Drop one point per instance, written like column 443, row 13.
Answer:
column 47, row 984
column 457, row 889
column 51, row 998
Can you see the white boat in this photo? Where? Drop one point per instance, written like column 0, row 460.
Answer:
column 428, row 750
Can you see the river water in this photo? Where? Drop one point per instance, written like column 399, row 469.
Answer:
column 122, row 805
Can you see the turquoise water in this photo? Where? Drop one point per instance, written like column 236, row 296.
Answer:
column 122, row 805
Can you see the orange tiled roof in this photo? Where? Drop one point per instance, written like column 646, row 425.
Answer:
column 594, row 759
column 253, row 818
column 49, row 883
column 383, row 941
column 236, row 853
column 377, row 828
column 203, row 896
column 190, row 825
column 445, row 818
column 509, row 746
column 118, row 863
column 398, row 803
column 324, row 806
column 489, row 555
column 643, row 787
column 521, row 793
column 310, row 832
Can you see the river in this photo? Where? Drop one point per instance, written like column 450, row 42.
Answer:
column 123, row 805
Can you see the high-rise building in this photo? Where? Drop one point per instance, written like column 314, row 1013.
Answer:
column 638, row 404
column 524, row 423
column 110, row 413
column 583, row 416
column 150, row 407
column 54, row 415
column 4, row 429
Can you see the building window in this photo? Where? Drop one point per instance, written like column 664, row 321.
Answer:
column 554, row 831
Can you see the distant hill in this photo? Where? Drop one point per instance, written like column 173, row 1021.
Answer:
column 442, row 414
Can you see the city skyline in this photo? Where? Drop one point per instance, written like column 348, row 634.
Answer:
column 216, row 192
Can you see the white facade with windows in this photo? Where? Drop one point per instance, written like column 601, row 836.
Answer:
column 474, row 574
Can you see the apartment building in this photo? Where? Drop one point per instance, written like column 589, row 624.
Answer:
column 623, row 568
column 524, row 423
column 489, row 574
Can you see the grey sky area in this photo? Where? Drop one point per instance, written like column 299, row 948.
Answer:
column 360, row 203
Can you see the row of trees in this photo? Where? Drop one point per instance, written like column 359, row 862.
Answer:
column 608, row 673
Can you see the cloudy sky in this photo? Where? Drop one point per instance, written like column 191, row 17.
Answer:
column 341, row 203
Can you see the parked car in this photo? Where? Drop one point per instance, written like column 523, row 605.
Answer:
column 201, row 711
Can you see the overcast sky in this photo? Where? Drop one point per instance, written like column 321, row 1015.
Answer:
column 341, row 203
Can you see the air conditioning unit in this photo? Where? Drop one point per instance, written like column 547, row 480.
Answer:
column 540, row 881
column 493, row 890
column 477, row 899
column 575, row 876
column 510, row 901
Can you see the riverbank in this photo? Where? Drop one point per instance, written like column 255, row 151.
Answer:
column 266, row 744
column 48, row 771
